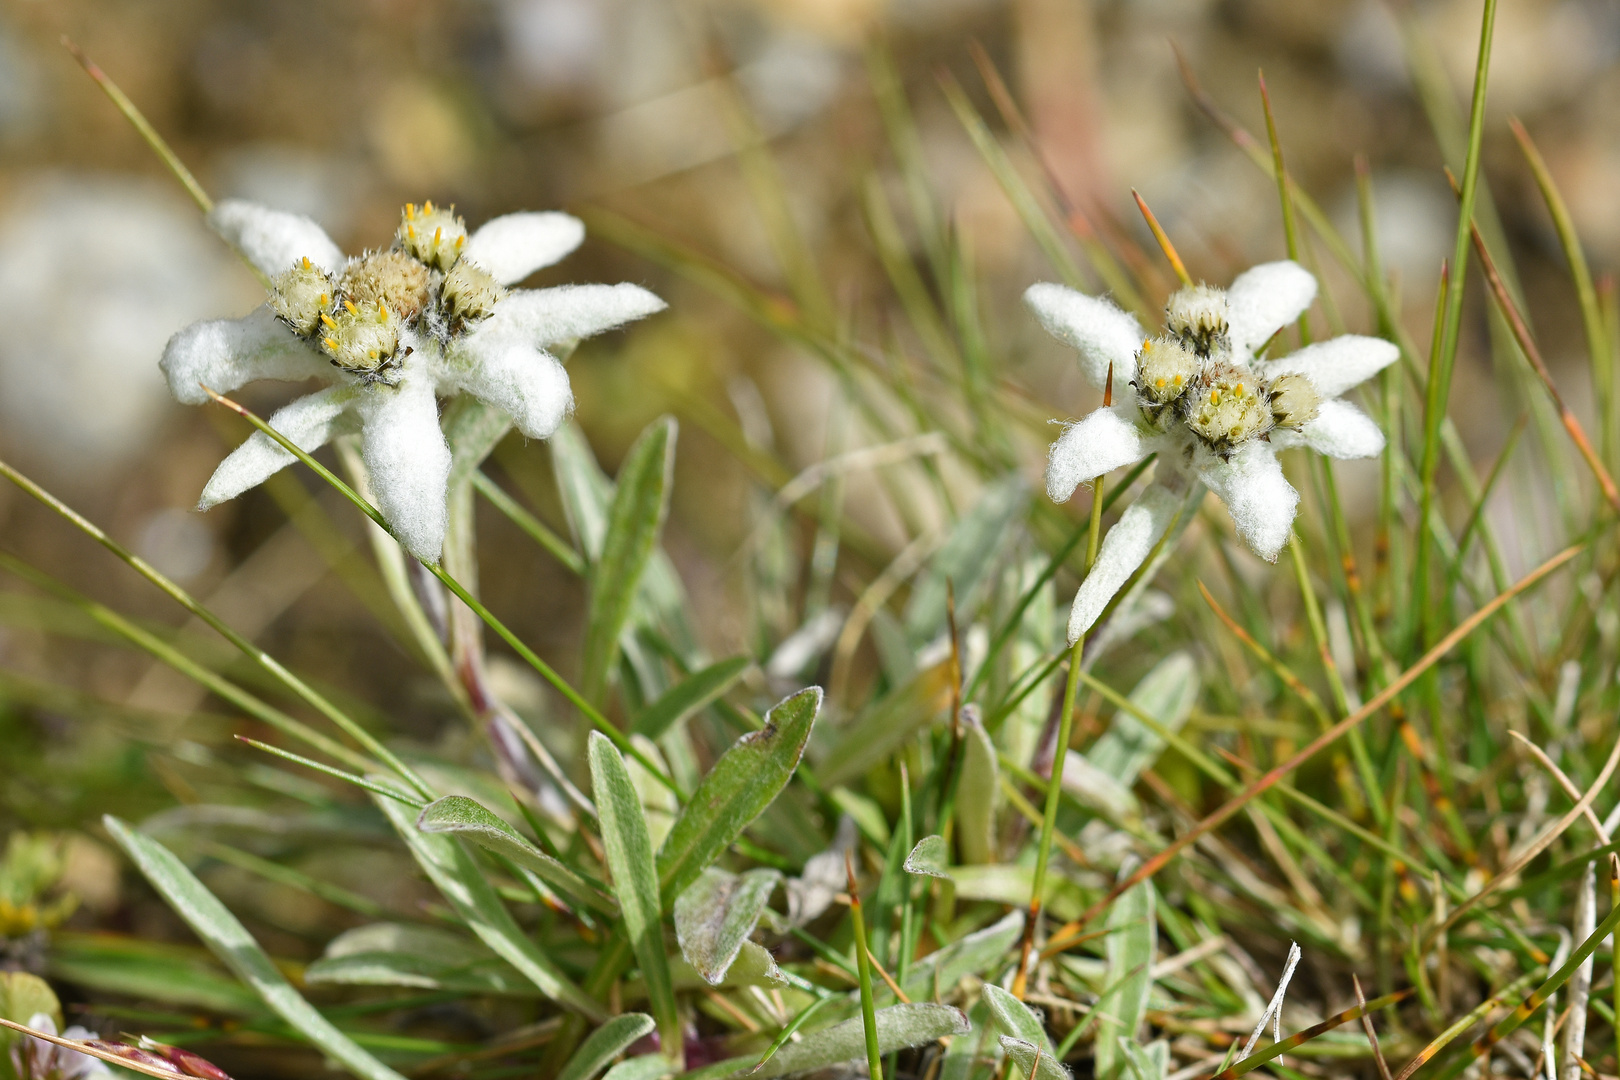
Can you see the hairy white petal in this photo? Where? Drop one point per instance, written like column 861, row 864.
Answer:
column 1105, row 440
column 516, row 245
column 1340, row 430
column 1260, row 499
column 525, row 382
column 409, row 462
column 1263, row 300
column 310, row 422
column 224, row 354
column 1101, row 331
column 272, row 240
column 551, row 316
column 1126, row 547
column 1336, row 365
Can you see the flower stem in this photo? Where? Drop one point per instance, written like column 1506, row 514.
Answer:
column 863, row 966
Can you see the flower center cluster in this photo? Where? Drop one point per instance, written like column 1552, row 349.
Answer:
column 421, row 283
column 1188, row 375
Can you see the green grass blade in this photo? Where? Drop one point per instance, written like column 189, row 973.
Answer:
column 235, row 947
column 640, row 503
column 696, row 691
column 745, row 780
column 536, row 529
column 470, row 819
column 338, row 774
column 635, row 881
column 461, row 882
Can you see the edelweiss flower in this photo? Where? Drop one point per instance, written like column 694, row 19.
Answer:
column 391, row 330
column 1214, row 413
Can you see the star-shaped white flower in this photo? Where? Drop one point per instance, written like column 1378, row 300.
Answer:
column 391, row 331
column 1215, row 414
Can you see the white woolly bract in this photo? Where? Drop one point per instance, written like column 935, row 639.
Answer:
column 1105, row 440
column 516, row 245
column 309, row 423
column 408, row 461
column 272, row 240
column 552, row 316
column 1338, row 364
column 1250, row 482
column 223, row 354
column 1339, row 430
column 1125, row 548
column 1263, row 300
column 526, row 383
column 1101, row 331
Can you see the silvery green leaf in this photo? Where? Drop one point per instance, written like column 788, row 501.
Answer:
column 585, row 489
column 753, row 966
column 980, row 953
column 964, row 1058
column 470, row 819
column 645, row 1067
column 489, row 975
column 461, row 882
column 742, row 783
column 1167, row 693
column 716, row 914
column 472, row 429
column 1149, row 1062
column 1129, row 948
column 635, row 879
column 606, row 1043
column 1024, row 1055
column 899, row 1027
column 877, row 732
column 634, row 519
column 689, row 695
column 964, row 560
column 226, row 937
column 1016, row 1019
column 930, row 858
column 977, row 791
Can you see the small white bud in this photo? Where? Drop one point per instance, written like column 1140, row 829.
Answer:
column 1228, row 406
column 470, row 293
column 1165, row 369
column 1197, row 314
column 432, row 234
column 391, row 278
column 300, row 295
column 1294, row 400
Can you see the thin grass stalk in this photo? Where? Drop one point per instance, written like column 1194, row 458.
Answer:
column 1327, row 738
column 586, row 709
column 297, row 685
column 863, row 967
column 1290, row 232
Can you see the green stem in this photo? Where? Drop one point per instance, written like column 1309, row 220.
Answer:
column 863, row 964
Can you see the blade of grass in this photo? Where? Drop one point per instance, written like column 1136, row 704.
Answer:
column 554, row 545
column 348, row 778
column 1294, row 1041
column 863, row 966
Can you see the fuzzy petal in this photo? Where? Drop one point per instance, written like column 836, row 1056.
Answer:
column 272, row 240
column 310, row 422
column 1336, row 365
column 516, row 245
column 1107, row 439
column 521, row 380
column 546, row 317
column 224, row 354
column 1127, row 546
column 1101, row 331
column 409, row 462
column 1263, row 300
column 1260, row 499
column 1340, row 430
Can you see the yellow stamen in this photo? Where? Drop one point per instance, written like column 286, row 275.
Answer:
column 428, row 206
column 382, row 312
column 350, row 305
column 327, row 319
column 462, row 239
column 330, row 343
column 438, row 236
column 306, row 263
column 410, row 231
column 410, row 211
column 325, row 300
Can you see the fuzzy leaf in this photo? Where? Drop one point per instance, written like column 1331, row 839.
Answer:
column 211, row 921
column 606, row 1043
column 1149, row 1062
column 635, row 877
column 716, row 914
column 460, row 881
column 929, row 858
column 1129, row 949
column 968, row 1055
column 1167, row 693
column 688, row 696
column 640, row 502
column 980, row 953
column 899, row 1027
column 428, row 957
column 150, row 970
column 645, row 1067
column 1023, row 1054
column 754, row 966
column 476, row 822
column 977, row 791
column 1016, row 1019
column 742, row 783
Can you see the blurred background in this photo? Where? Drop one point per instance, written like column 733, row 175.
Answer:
column 344, row 111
